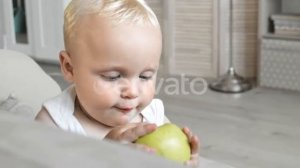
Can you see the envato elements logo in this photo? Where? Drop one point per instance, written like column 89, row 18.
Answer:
column 181, row 85
column 177, row 85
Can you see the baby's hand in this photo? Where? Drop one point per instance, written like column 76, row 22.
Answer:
column 194, row 143
column 130, row 132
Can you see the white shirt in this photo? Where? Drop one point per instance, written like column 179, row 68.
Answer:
column 61, row 109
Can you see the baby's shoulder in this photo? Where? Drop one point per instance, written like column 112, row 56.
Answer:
column 157, row 103
column 154, row 112
column 155, row 106
column 44, row 116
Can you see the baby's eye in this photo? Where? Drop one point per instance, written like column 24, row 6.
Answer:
column 111, row 76
column 144, row 77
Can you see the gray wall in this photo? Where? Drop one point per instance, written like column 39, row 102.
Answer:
column 291, row 6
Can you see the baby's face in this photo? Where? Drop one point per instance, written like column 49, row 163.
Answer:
column 114, row 68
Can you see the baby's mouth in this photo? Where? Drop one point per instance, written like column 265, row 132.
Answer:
column 125, row 110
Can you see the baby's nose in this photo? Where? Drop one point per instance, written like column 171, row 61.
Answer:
column 130, row 90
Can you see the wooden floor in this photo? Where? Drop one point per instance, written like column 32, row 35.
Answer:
column 256, row 129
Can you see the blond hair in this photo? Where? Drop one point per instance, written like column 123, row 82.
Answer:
column 118, row 11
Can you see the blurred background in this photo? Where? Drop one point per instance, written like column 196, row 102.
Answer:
column 255, row 129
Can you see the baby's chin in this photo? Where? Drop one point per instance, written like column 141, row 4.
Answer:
column 125, row 119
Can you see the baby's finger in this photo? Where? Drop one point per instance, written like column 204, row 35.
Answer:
column 193, row 140
column 194, row 162
column 188, row 133
column 194, row 144
column 115, row 133
column 134, row 133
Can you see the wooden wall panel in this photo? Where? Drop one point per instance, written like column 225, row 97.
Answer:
column 194, row 37
column 245, row 33
column 198, row 31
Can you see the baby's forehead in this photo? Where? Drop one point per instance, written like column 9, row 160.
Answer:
column 102, row 36
column 80, row 15
column 84, row 22
column 103, row 25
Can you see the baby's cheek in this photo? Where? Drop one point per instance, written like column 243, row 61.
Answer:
column 151, row 90
column 107, row 89
column 148, row 92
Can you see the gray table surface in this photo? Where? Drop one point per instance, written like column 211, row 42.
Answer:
column 25, row 143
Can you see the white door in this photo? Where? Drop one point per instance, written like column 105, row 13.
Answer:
column 17, row 27
column 47, row 17
column 1, row 25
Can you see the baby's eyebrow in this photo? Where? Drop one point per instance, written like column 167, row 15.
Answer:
column 109, row 69
column 122, row 70
column 150, row 69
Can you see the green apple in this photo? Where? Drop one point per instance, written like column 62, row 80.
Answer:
column 169, row 142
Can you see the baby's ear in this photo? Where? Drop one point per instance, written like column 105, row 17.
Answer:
column 66, row 66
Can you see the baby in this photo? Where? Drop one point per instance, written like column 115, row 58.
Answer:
column 112, row 55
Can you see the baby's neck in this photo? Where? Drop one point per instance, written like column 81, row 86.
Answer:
column 92, row 127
